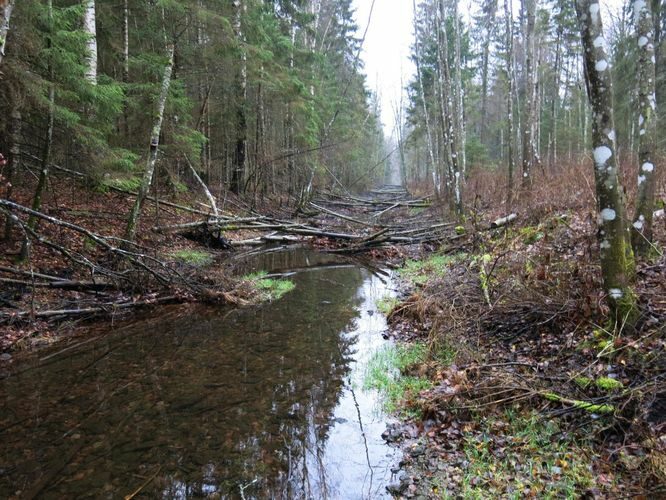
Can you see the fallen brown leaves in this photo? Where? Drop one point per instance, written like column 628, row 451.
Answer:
column 540, row 346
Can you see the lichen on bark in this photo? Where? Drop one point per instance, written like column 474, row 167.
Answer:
column 617, row 260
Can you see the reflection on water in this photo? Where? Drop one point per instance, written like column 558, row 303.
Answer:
column 209, row 402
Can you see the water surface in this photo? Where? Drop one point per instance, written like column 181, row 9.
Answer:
column 194, row 401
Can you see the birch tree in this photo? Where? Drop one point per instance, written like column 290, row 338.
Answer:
column 450, row 92
column 458, row 109
column 647, row 128
column 617, row 264
column 6, row 8
column 529, row 120
column 89, row 24
column 149, row 172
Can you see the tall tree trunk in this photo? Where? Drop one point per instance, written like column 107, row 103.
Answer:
column 552, row 143
column 617, row 264
column 443, row 85
column 451, row 110
column 459, row 109
column 240, row 150
column 289, row 121
column 508, row 17
column 489, row 9
column 147, row 179
column 48, row 139
column 5, row 17
column 529, row 120
column 641, row 236
column 89, row 25
column 14, row 157
column 126, row 66
column 431, row 151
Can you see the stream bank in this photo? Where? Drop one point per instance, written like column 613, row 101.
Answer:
column 521, row 392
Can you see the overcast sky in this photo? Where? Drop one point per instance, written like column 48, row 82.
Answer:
column 387, row 45
column 386, row 50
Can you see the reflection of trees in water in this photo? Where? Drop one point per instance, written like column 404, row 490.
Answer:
column 211, row 404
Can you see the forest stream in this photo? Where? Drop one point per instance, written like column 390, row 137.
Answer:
column 200, row 401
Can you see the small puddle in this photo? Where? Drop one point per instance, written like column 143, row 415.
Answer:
column 195, row 401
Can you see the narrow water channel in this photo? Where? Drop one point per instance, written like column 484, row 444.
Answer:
column 196, row 402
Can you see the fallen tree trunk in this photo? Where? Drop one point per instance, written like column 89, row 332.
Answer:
column 107, row 308
column 205, row 189
column 503, row 221
column 341, row 216
column 62, row 285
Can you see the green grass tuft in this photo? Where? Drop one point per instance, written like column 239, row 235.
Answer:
column 193, row 257
column 550, row 467
column 386, row 373
column 386, row 304
column 419, row 272
column 269, row 288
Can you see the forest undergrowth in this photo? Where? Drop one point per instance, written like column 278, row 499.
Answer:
column 531, row 392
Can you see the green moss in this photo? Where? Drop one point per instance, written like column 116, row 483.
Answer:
column 124, row 183
column 460, row 229
column 531, row 234
column 385, row 305
column 180, row 187
column 583, row 382
column 193, row 257
column 626, row 307
column 581, row 405
column 270, row 288
column 608, row 384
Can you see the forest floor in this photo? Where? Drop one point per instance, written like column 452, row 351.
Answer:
column 511, row 382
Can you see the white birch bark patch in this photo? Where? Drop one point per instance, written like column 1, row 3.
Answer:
column 601, row 155
column 608, row 214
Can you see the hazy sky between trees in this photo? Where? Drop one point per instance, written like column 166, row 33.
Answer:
column 386, row 50
column 387, row 45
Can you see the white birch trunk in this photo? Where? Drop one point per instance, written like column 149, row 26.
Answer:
column 529, row 120
column 5, row 18
column 90, row 29
column 149, row 172
column 209, row 195
column 451, row 112
column 459, row 107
